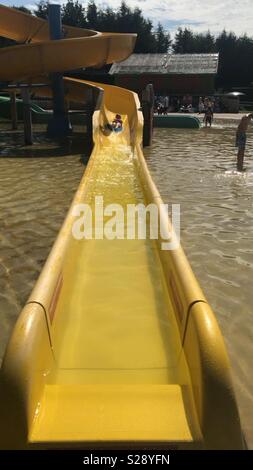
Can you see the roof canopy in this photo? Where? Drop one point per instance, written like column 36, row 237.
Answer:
column 167, row 64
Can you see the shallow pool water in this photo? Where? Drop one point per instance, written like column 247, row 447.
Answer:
column 35, row 194
column 197, row 169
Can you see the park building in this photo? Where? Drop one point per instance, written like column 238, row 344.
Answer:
column 175, row 75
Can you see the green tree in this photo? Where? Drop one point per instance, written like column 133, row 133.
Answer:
column 73, row 14
column 226, row 44
column 235, row 64
column 107, row 20
column 163, row 40
column 92, row 15
column 184, row 41
column 123, row 20
column 244, row 61
column 42, row 9
column 204, row 43
column 132, row 21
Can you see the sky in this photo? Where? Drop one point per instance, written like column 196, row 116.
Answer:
column 199, row 15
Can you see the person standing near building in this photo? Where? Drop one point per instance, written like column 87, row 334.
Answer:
column 201, row 105
column 241, row 138
column 166, row 103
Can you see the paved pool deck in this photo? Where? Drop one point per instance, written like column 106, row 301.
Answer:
column 221, row 116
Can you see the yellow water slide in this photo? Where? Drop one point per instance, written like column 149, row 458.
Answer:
column 117, row 345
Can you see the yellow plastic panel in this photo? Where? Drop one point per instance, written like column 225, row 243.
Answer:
column 26, row 363
column 211, row 378
column 23, row 27
column 88, row 414
column 83, row 48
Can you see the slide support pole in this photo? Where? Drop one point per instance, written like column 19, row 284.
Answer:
column 27, row 116
column 14, row 116
column 148, row 113
column 59, row 125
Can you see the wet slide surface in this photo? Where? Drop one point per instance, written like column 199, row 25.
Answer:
column 113, row 310
column 119, row 358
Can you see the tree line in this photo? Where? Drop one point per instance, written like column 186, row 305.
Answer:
column 236, row 52
column 122, row 20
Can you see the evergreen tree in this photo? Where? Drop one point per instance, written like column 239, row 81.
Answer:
column 107, row 20
column 163, row 40
column 122, row 20
column 226, row 44
column 184, row 42
column 73, row 14
column 92, row 15
column 204, row 43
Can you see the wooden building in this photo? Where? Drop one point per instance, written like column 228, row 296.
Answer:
column 170, row 74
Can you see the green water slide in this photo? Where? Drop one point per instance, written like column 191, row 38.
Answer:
column 39, row 114
column 178, row 121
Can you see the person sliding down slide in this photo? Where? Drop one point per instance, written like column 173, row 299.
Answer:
column 116, row 125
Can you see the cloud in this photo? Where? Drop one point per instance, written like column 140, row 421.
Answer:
column 216, row 15
column 199, row 15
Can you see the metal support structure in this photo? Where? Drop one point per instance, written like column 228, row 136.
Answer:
column 27, row 117
column 148, row 114
column 24, row 89
column 14, row 86
column 14, row 114
column 90, row 106
column 59, row 125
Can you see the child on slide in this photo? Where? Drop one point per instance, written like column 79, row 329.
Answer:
column 116, row 124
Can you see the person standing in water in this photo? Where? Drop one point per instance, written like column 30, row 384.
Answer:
column 208, row 118
column 241, row 138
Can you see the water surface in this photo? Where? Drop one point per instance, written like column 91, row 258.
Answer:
column 197, row 169
column 35, row 194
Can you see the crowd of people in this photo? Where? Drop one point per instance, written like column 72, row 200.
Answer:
column 206, row 106
column 187, row 104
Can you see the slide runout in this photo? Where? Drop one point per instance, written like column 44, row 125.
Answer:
column 119, row 329
column 122, row 416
